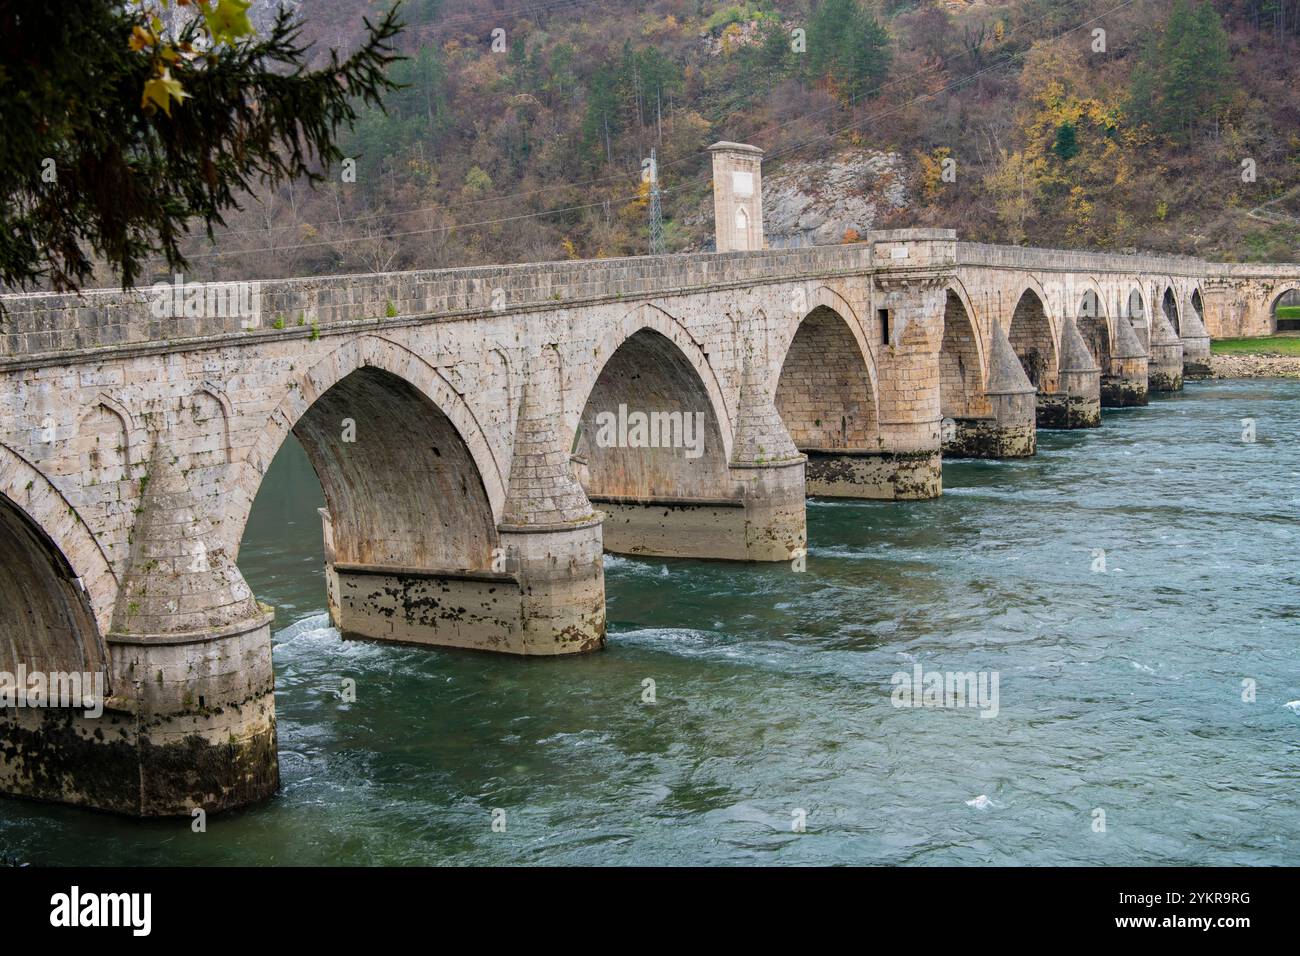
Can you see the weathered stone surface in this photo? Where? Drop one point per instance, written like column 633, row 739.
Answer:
column 1080, row 380
column 990, row 438
column 453, row 418
column 737, row 197
column 891, row 476
column 1196, row 341
column 1165, row 364
column 1125, row 383
column 1010, row 430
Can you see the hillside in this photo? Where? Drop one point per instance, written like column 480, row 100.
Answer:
column 527, row 143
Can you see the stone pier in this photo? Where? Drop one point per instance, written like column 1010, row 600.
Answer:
column 1125, row 383
column 1010, row 429
column 1080, row 380
column 1165, row 362
column 459, row 422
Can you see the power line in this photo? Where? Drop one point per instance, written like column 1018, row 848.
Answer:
column 412, row 232
column 1006, row 61
column 802, row 118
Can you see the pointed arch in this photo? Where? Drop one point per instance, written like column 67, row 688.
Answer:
column 48, row 523
column 963, row 366
column 1134, row 305
column 647, row 317
column 105, row 419
column 823, row 296
column 416, row 384
column 211, row 394
column 1033, row 335
column 1093, row 319
column 826, row 384
column 1169, row 306
column 118, row 409
column 1196, row 303
column 649, row 430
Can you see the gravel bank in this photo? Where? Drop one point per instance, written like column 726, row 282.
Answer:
column 1255, row 366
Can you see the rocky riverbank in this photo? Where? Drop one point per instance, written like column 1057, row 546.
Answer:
column 1255, row 366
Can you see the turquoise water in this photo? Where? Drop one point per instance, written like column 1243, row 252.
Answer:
column 1119, row 691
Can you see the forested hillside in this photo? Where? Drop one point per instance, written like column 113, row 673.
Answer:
column 522, row 127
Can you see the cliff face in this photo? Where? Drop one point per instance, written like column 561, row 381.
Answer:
column 519, row 133
column 823, row 201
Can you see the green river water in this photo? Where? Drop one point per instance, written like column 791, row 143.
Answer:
column 1119, row 691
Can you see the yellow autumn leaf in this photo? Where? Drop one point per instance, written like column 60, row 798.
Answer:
column 140, row 38
column 161, row 90
column 228, row 20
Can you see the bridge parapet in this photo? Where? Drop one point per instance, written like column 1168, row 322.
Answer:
column 1079, row 261
column 39, row 324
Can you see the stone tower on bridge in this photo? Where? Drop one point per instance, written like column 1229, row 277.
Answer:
column 737, row 197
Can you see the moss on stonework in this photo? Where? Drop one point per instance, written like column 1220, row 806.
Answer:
column 55, row 762
column 1123, row 394
column 196, row 772
column 59, row 760
column 906, row 476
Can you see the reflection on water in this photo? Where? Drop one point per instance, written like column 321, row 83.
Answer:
column 1119, row 691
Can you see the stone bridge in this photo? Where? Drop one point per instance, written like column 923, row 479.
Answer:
column 483, row 435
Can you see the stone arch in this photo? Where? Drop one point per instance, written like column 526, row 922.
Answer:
column 1287, row 294
column 962, row 369
column 1033, row 338
column 647, row 317
column 826, row 382
column 1093, row 321
column 1134, row 306
column 825, row 297
column 501, row 375
column 1169, row 306
column 57, row 587
column 649, row 429
column 416, row 486
column 1196, row 302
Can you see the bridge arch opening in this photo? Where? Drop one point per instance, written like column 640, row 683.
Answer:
column 1094, row 328
column 1285, row 311
column 824, row 393
column 1169, row 306
column 406, row 529
column 1198, row 305
column 1135, row 309
column 1032, row 341
column 961, row 377
column 46, row 622
column 648, row 429
column 400, row 483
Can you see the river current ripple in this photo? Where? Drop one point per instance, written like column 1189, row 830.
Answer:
column 1119, row 691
